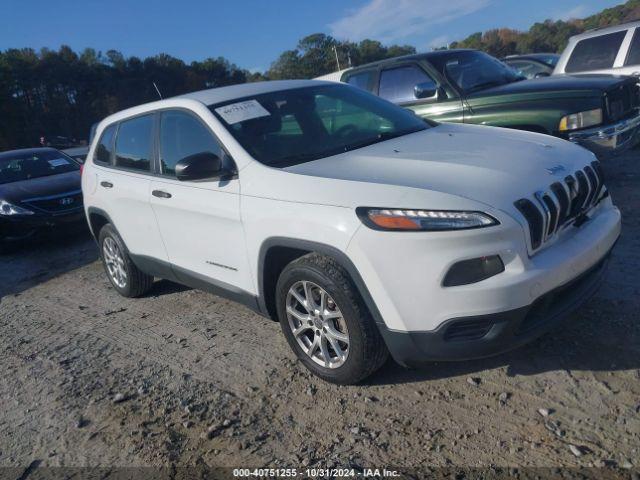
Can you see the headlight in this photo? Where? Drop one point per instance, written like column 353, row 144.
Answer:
column 7, row 208
column 578, row 120
column 423, row 220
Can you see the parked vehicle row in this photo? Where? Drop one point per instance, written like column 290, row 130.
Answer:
column 345, row 209
column 361, row 228
column 468, row 86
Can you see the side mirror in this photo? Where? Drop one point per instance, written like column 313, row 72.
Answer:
column 426, row 90
column 200, row 166
column 542, row 74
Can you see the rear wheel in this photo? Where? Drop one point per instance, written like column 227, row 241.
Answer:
column 125, row 277
column 326, row 322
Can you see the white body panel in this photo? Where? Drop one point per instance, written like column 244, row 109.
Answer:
column 449, row 167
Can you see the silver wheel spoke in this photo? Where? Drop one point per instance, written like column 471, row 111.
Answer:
column 301, row 329
column 333, row 332
column 336, row 346
column 325, row 351
column 300, row 316
column 300, row 300
column 309, row 296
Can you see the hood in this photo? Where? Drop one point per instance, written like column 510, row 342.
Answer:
column 596, row 84
column 16, row 192
column 491, row 165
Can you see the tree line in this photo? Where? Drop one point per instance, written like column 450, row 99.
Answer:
column 64, row 92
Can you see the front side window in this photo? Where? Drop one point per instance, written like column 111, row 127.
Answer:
column 595, row 53
column 287, row 127
column 15, row 167
column 104, row 148
column 397, row 84
column 182, row 135
column 363, row 80
column 133, row 143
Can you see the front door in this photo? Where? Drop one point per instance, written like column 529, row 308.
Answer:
column 199, row 221
column 398, row 85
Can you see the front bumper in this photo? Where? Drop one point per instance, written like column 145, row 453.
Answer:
column 21, row 227
column 609, row 139
column 486, row 335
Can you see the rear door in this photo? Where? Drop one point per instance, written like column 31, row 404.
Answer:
column 124, row 167
column 200, row 221
column 397, row 84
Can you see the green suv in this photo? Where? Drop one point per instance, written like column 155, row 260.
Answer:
column 597, row 111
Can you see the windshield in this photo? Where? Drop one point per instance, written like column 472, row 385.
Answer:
column 472, row 71
column 34, row 164
column 287, row 127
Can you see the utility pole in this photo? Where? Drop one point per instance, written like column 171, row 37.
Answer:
column 335, row 50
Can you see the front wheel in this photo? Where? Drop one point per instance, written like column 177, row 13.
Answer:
column 125, row 277
column 326, row 322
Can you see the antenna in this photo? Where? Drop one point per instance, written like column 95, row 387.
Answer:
column 335, row 50
column 157, row 90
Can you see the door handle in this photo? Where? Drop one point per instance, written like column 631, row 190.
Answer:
column 106, row 184
column 160, row 194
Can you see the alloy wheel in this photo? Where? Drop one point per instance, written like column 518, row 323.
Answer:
column 114, row 260
column 317, row 324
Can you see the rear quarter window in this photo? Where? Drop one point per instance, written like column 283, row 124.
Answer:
column 102, row 155
column 595, row 53
column 133, row 144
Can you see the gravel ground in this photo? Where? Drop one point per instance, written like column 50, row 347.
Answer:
column 184, row 378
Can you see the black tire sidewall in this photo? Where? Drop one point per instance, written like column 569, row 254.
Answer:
column 350, row 371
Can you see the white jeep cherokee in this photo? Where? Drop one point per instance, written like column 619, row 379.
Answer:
column 361, row 228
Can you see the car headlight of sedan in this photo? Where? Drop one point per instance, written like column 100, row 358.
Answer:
column 7, row 209
column 588, row 118
column 423, row 220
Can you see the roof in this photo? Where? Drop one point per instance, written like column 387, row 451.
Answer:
column 223, row 94
column 23, row 151
column 333, row 76
column 415, row 56
column 604, row 30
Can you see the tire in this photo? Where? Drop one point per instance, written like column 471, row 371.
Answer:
column 365, row 350
column 128, row 280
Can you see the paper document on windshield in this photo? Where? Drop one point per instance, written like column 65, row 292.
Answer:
column 58, row 162
column 242, row 111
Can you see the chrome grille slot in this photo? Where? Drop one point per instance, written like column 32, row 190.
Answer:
column 553, row 213
column 563, row 199
column 548, row 212
column 535, row 220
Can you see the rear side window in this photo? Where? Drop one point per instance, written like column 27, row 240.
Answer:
column 104, row 148
column 181, row 135
column 633, row 57
column 397, row 84
column 595, row 53
column 133, row 143
column 363, row 80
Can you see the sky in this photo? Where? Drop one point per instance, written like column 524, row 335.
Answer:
column 252, row 33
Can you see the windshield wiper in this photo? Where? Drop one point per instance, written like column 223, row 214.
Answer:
column 380, row 137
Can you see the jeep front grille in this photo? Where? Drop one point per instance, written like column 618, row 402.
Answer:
column 549, row 211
